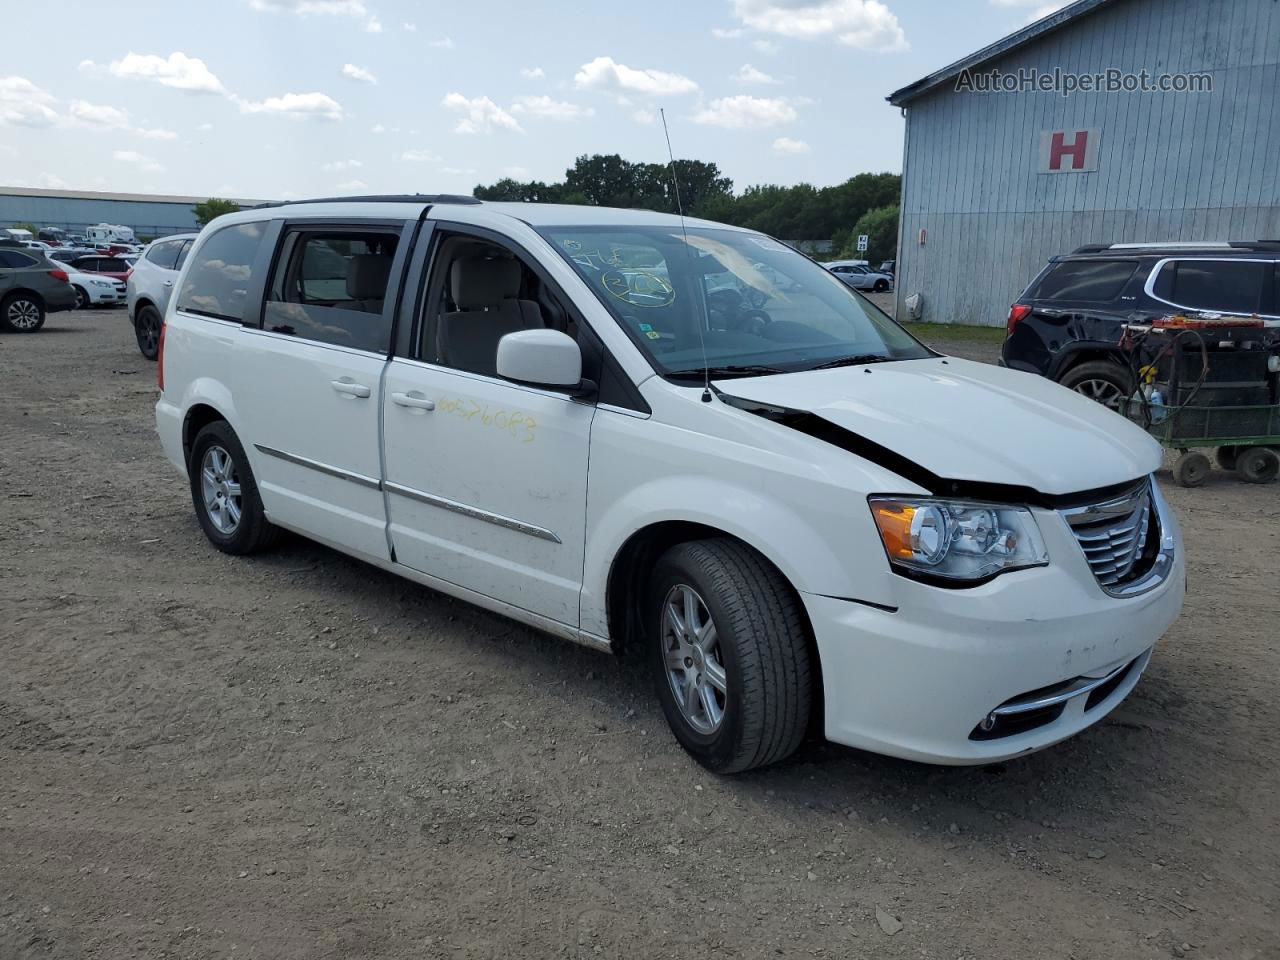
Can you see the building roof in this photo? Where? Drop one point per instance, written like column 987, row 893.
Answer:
column 1014, row 41
column 96, row 195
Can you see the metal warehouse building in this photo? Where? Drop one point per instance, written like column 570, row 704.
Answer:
column 995, row 183
column 149, row 215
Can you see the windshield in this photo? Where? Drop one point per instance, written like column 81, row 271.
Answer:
column 756, row 304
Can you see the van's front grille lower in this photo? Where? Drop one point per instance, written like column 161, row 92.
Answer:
column 1120, row 537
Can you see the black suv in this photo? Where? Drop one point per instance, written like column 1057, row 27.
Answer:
column 1068, row 324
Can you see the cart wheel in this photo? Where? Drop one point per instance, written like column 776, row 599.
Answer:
column 1191, row 470
column 1227, row 456
column 1258, row 465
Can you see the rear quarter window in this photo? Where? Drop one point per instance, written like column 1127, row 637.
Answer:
column 1085, row 280
column 217, row 281
column 1226, row 286
column 15, row 260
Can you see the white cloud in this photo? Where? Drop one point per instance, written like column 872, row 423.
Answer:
column 297, row 105
column 745, row 112
column 606, row 73
column 748, row 75
column 419, row 156
column 25, row 104
column 532, row 73
column 480, row 115
column 142, row 162
column 350, row 8
column 373, row 25
column 733, row 33
column 358, row 73
column 377, row 128
column 550, row 109
column 865, row 24
column 155, row 133
column 444, row 43
column 333, row 166
column 98, row 114
column 765, row 46
column 410, row 28
column 787, row 145
column 177, row 70
column 351, row 186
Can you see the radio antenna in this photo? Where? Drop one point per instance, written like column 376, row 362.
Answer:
column 675, row 183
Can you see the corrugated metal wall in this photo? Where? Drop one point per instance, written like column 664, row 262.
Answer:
column 147, row 218
column 1171, row 166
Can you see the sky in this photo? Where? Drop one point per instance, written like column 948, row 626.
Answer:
column 277, row 99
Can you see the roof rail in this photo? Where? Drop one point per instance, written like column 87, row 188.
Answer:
column 380, row 198
column 1268, row 245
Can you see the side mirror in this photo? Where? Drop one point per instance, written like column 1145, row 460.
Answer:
column 541, row 358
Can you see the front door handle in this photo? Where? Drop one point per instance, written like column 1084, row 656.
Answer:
column 412, row 401
column 349, row 389
column 169, row 283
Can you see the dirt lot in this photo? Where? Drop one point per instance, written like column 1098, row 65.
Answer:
column 300, row 756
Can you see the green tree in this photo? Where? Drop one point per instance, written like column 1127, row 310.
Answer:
column 881, row 228
column 213, row 208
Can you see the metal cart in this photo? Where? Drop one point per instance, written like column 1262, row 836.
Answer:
column 1247, row 439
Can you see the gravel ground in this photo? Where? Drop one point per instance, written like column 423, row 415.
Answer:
column 298, row 756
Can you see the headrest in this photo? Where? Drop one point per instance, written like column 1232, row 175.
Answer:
column 367, row 275
column 481, row 282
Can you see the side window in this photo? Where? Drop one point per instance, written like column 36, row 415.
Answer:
column 164, row 254
column 185, row 248
column 330, row 285
column 15, row 260
column 217, row 285
column 1086, row 280
column 1228, row 286
column 479, row 292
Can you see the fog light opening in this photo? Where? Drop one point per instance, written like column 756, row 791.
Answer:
column 988, row 723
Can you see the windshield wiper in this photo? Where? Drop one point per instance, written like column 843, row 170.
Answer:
column 731, row 370
column 853, row 361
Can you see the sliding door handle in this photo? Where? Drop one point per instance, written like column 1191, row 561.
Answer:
column 413, row 401
column 349, row 389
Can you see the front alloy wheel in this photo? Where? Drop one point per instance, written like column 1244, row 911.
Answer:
column 695, row 671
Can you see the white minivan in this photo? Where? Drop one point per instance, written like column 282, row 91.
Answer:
column 794, row 511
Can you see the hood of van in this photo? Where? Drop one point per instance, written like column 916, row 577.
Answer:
column 970, row 422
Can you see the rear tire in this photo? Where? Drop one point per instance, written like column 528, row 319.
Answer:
column 21, row 313
column 146, row 329
column 745, row 647
column 1258, row 465
column 1102, row 380
column 1191, row 470
column 225, row 495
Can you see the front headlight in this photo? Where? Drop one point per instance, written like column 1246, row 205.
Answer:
column 102, row 283
column 957, row 540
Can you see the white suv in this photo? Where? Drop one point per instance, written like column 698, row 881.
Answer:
column 793, row 511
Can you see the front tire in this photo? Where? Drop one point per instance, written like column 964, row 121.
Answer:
column 881, row 286
column 21, row 313
column 225, row 495
column 730, row 652
column 82, row 298
column 146, row 329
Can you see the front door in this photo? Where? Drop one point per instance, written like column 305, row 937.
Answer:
column 486, row 480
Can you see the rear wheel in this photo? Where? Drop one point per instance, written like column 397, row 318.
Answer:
column 1258, row 465
column 730, row 653
column 1102, row 380
column 147, row 331
column 21, row 313
column 225, row 494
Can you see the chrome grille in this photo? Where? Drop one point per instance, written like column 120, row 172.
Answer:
column 1114, row 534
